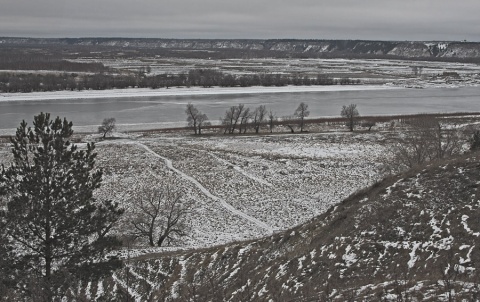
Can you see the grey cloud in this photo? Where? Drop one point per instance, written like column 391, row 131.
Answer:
column 342, row 19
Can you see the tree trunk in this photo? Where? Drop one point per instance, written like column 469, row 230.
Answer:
column 161, row 239
column 48, row 275
column 150, row 239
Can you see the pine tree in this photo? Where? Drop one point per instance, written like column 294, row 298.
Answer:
column 52, row 221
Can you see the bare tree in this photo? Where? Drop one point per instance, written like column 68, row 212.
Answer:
column 244, row 119
column 301, row 113
column 228, row 119
column 350, row 112
column 428, row 139
column 237, row 116
column 107, row 127
column 272, row 118
column 475, row 141
column 232, row 117
column 368, row 124
column 160, row 215
column 192, row 116
column 474, row 133
column 202, row 121
column 258, row 117
column 290, row 121
column 196, row 119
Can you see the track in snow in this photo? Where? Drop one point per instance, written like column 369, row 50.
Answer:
column 241, row 171
column 235, row 167
column 224, row 204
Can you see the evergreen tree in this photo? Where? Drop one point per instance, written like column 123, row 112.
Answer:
column 52, row 221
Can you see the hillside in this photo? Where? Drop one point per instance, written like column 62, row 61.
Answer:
column 308, row 48
column 409, row 236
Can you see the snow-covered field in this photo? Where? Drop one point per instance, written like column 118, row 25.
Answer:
column 243, row 187
column 371, row 69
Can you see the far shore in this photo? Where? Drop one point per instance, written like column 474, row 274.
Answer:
column 178, row 91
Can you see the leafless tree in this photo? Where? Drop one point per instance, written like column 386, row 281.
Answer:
column 368, row 124
column 244, row 119
column 301, row 113
column 473, row 132
column 228, row 119
column 202, row 121
column 107, row 127
column 427, row 139
column 258, row 117
column 233, row 116
column 272, row 118
column 160, row 215
column 350, row 112
column 290, row 121
column 196, row 119
column 192, row 116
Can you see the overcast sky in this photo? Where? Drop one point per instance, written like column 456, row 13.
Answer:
column 222, row 19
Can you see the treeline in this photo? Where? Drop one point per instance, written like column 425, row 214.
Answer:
column 10, row 61
column 15, row 82
column 209, row 78
column 29, row 82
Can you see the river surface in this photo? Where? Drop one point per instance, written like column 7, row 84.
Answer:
column 167, row 111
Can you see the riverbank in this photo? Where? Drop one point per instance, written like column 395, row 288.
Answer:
column 178, row 91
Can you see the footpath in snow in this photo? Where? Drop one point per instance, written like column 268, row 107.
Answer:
column 224, row 204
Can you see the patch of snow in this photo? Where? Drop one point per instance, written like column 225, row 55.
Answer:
column 300, row 262
column 413, row 258
column 465, row 226
column 349, row 257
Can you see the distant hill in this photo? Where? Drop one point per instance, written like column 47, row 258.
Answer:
column 404, row 49
column 415, row 235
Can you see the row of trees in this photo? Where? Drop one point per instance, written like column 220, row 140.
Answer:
column 28, row 82
column 428, row 139
column 240, row 118
column 20, row 59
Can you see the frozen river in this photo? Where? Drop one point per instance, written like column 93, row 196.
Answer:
column 165, row 111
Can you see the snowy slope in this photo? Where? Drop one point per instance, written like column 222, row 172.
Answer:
column 414, row 235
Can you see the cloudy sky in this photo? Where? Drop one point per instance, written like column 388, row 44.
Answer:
column 301, row 19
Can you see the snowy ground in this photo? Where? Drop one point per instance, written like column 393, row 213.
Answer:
column 372, row 70
column 244, row 187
